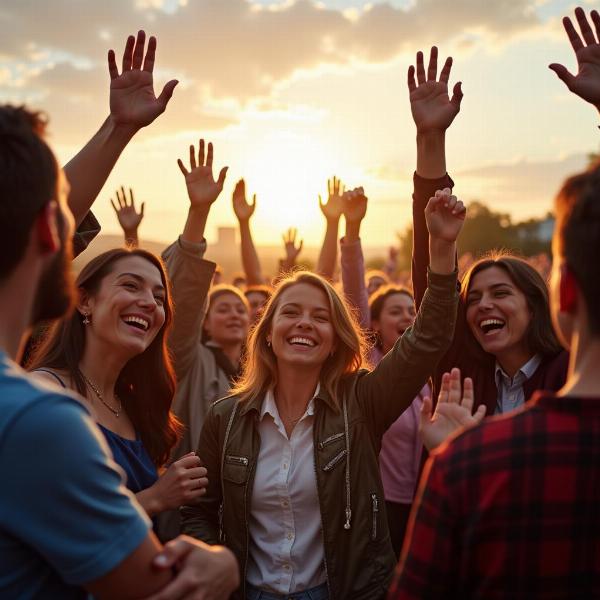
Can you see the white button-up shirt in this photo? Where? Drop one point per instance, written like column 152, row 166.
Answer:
column 510, row 390
column 286, row 552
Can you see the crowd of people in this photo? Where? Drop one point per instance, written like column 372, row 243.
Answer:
column 166, row 435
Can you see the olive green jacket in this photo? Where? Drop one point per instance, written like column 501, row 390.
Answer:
column 359, row 559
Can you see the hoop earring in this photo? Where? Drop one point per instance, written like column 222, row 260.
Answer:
column 269, row 343
column 86, row 319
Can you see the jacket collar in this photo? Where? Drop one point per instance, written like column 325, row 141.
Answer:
column 256, row 403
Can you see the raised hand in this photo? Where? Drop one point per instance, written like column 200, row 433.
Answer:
column 445, row 216
column 242, row 209
column 454, row 411
column 431, row 107
column 202, row 188
column 129, row 218
column 132, row 99
column 354, row 205
column 586, row 84
column 289, row 242
column 333, row 209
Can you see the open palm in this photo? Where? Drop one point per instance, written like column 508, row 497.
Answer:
column 202, row 188
column 243, row 210
column 132, row 98
column 333, row 208
column 586, row 84
column 431, row 107
column 452, row 413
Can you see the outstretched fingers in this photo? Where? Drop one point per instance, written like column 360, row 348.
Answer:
column 444, row 389
column 182, row 167
column 128, row 53
column 113, row 71
column 596, row 20
column 445, row 73
column 455, row 388
column 584, row 26
column 457, row 95
column 420, row 68
column 468, row 396
column 412, row 84
column 150, row 55
column 432, row 67
column 574, row 38
column 138, row 52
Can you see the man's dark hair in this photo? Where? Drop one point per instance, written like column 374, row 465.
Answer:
column 577, row 236
column 28, row 180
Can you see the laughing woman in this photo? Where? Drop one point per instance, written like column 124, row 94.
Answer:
column 294, row 487
column 112, row 351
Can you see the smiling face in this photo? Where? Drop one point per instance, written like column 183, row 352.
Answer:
column 227, row 320
column 127, row 311
column 397, row 314
column 497, row 313
column 302, row 333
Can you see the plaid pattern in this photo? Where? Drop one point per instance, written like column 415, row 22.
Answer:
column 510, row 509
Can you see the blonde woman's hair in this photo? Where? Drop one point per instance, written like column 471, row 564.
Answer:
column 259, row 371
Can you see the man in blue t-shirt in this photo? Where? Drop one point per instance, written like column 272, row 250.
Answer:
column 68, row 526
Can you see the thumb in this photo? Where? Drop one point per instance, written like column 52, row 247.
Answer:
column 563, row 73
column 172, row 552
column 142, row 209
column 426, row 412
column 166, row 93
column 457, row 95
column 222, row 175
column 480, row 413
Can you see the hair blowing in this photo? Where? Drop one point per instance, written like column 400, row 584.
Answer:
column 146, row 384
column 577, row 236
column 541, row 338
column 260, row 364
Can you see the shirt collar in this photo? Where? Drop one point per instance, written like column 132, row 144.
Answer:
column 527, row 370
column 270, row 407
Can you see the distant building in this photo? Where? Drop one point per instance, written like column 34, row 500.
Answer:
column 226, row 237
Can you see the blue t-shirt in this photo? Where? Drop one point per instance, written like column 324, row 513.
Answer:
column 66, row 518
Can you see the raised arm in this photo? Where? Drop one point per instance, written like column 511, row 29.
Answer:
column 243, row 211
column 433, row 112
column 133, row 105
column 292, row 251
column 390, row 388
column 586, row 84
column 354, row 206
column 189, row 273
column 332, row 211
column 129, row 218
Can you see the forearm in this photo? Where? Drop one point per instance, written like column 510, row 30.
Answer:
column 250, row 260
column 442, row 256
column 131, row 238
column 353, row 278
column 149, row 501
column 89, row 169
column 195, row 224
column 328, row 254
column 431, row 154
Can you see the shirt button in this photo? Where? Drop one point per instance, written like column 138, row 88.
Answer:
column 285, row 503
column 289, row 535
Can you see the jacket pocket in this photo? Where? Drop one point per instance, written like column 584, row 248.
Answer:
column 374, row 515
column 236, row 468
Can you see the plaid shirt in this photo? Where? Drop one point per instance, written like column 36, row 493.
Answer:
column 510, row 509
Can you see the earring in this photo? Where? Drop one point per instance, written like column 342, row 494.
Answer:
column 269, row 343
column 86, row 318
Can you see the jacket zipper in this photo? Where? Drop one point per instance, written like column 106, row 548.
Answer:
column 237, row 460
column 330, row 439
column 249, row 481
column 335, row 460
column 329, row 595
column 375, row 511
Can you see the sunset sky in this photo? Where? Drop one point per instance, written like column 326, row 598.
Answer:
column 291, row 93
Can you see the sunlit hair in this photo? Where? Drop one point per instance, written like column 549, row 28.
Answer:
column 377, row 302
column 216, row 292
column 260, row 364
column 540, row 335
column 263, row 289
column 371, row 273
column 146, row 384
column 577, row 236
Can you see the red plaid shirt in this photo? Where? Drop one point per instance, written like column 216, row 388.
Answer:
column 510, row 509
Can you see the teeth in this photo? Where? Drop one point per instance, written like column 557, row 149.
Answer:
column 488, row 322
column 138, row 320
column 301, row 340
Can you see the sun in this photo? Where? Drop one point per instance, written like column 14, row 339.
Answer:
column 287, row 172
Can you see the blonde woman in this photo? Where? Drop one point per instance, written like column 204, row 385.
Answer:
column 294, row 487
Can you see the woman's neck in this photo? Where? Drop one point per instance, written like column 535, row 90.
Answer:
column 295, row 388
column 514, row 359
column 102, row 367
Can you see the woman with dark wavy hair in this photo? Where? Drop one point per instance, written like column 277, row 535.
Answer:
column 112, row 350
